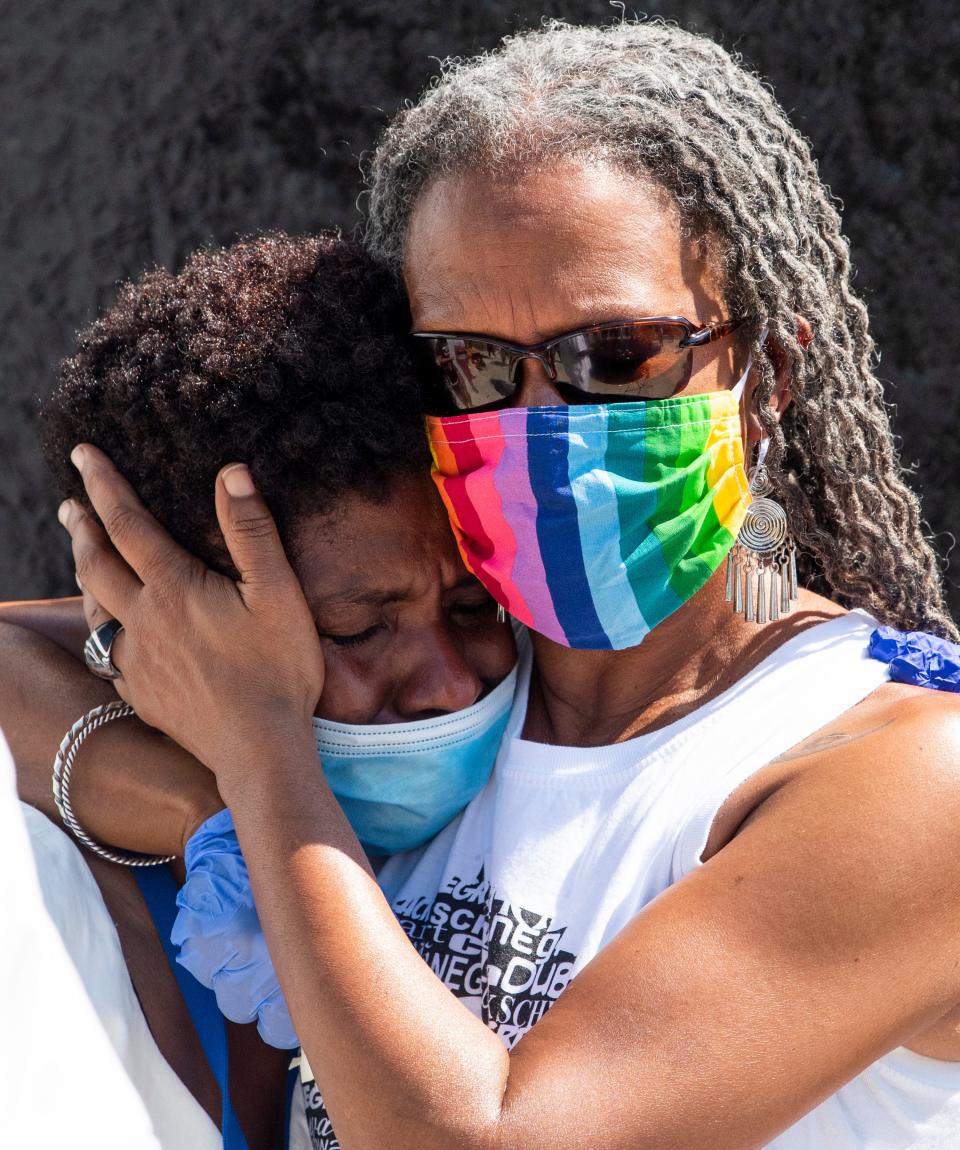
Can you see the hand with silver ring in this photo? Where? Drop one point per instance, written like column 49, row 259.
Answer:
column 209, row 660
column 97, row 650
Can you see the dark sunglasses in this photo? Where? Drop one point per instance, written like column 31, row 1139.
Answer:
column 605, row 363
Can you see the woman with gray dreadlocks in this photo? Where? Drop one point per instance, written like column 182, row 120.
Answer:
column 710, row 896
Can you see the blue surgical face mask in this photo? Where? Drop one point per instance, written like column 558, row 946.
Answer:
column 401, row 783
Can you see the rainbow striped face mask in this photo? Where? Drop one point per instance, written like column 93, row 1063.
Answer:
column 591, row 524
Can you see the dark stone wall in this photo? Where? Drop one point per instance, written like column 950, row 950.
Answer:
column 131, row 132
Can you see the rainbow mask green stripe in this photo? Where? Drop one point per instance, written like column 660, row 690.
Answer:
column 591, row 524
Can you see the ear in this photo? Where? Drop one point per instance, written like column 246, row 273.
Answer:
column 782, row 395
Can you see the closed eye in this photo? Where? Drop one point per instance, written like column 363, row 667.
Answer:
column 353, row 640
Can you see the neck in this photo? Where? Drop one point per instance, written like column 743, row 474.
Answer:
column 593, row 698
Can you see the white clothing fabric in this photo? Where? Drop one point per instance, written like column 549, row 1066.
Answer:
column 565, row 845
column 75, row 905
column 298, row 1135
column 61, row 1082
column 83, row 921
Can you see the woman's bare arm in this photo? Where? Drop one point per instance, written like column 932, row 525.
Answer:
column 132, row 787
column 59, row 620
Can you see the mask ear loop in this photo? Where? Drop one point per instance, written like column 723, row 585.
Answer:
column 759, row 477
column 740, row 386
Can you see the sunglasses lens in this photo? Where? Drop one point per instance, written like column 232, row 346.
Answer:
column 615, row 363
column 463, row 374
column 625, row 362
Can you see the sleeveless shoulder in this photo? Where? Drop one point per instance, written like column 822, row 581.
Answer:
column 804, row 685
column 800, row 688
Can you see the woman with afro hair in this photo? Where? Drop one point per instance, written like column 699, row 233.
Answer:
column 291, row 354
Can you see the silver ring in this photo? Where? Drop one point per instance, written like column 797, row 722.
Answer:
column 97, row 650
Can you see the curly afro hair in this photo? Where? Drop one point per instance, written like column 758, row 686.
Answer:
column 287, row 353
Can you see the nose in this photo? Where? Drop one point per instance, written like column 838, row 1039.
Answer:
column 536, row 388
column 439, row 681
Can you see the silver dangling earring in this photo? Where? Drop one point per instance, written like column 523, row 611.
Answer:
column 501, row 614
column 762, row 566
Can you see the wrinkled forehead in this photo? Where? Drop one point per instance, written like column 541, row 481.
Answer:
column 531, row 251
column 399, row 547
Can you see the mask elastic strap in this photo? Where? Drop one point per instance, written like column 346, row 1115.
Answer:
column 738, row 388
column 373, row 739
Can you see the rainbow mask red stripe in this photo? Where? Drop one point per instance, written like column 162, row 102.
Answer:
column 591, row 524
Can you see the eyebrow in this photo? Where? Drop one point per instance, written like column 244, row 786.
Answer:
column 365, row 597
column 600, row 312
column 379, row 597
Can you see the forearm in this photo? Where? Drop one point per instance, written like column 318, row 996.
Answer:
column 42, row 692
column 59, row 620
column 373, row 1019
column 131, row 788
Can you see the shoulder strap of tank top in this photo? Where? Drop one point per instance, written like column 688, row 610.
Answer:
column 804, row 685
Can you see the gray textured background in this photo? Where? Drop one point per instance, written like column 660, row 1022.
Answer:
column 132, row 132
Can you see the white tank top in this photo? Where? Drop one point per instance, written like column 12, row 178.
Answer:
column 566, row 844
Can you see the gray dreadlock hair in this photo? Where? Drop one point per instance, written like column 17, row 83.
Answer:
column 667, row 104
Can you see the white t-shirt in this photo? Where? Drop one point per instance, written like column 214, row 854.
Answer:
column 566, row 845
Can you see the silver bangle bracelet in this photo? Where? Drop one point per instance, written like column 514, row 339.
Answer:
column 63, row 765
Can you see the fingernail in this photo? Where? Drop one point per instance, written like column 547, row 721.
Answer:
column 76, row 458
column 79, row 584
column 238, row 481
column 63, row 512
